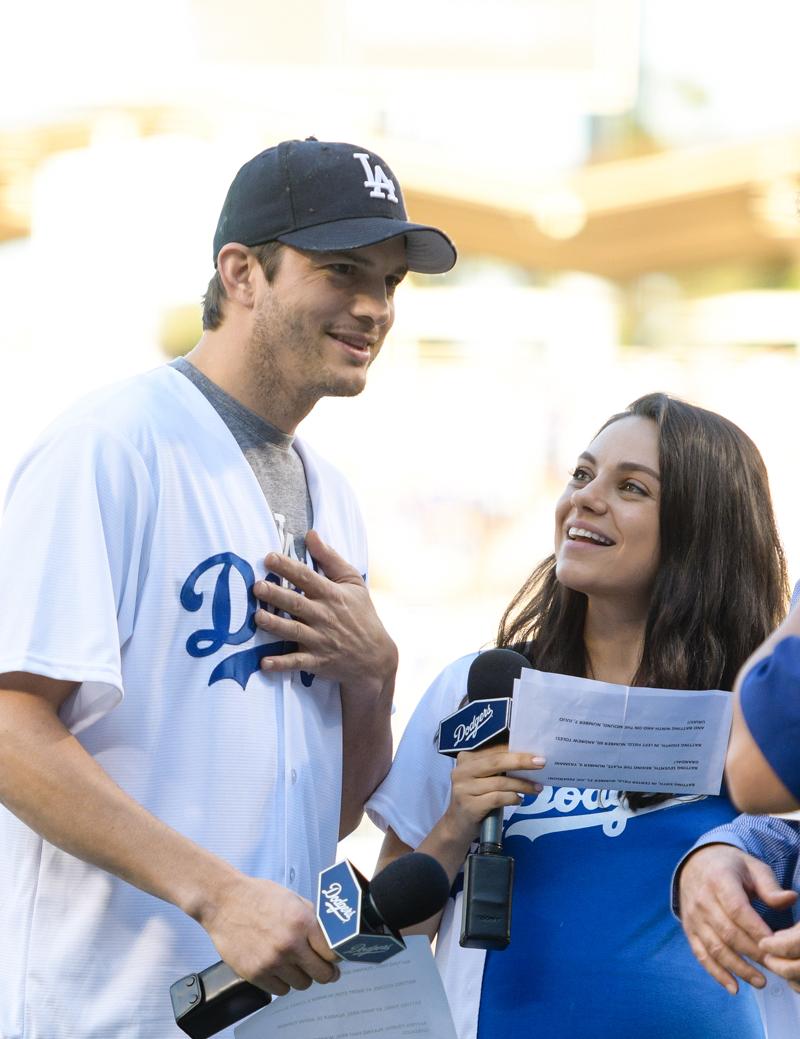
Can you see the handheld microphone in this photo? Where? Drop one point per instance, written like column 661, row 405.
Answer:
column 488, row 873
column 407, row 891
column 362, row 922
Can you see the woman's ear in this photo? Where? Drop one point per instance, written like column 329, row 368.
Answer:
column 236, row 266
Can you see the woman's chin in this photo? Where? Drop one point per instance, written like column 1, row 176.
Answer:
column 574, row 583
column 570, row 576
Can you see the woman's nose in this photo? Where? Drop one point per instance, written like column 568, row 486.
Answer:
column 590, row 497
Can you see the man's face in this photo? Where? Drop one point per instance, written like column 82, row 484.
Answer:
column 322, row 320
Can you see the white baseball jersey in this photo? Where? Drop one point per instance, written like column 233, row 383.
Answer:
column 133, row 533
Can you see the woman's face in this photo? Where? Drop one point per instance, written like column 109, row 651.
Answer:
column 607, row 529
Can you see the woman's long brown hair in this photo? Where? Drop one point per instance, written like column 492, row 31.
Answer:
column 721, row 585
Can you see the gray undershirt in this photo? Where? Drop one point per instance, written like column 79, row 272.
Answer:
column 272, row 457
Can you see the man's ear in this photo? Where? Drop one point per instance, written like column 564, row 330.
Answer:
column 237, row 268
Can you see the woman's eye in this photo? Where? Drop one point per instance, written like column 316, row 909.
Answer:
column 580, row 474
column 629, row 485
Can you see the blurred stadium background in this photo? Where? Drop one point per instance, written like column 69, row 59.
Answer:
column 621, row 179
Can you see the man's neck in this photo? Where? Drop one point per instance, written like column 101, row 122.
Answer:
column 220, row 357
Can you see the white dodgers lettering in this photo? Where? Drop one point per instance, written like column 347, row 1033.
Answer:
column 467, row 732
column 569, row 808
column 337, row 905
column 367, row 950
column 382, row 186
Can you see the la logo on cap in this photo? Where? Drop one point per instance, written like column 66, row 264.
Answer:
column 382, row 186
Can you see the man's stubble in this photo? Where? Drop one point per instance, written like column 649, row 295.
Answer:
column 286, row 360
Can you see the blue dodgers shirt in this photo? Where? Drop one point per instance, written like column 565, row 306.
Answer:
column 595, row 952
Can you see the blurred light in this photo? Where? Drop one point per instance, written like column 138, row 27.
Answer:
column 559, row 213
column 775, row 203
column 112, row 127
column 752, row 318
column 17, row 197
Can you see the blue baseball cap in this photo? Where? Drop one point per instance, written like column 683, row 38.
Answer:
column 325, row 197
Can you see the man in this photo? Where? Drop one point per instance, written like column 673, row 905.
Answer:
column 753, row 858
column 186, row 725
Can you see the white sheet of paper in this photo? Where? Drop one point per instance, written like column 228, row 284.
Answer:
column 605, row 736
column 401, row 997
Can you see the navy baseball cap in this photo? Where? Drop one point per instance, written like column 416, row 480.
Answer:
column 325, row 197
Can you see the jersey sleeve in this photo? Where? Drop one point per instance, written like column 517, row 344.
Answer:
column 416, row 792
column 73, row 547
column 770, row 700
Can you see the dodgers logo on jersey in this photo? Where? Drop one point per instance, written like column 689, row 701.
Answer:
column 232, row 616
column 382, row 186
column 560, row 809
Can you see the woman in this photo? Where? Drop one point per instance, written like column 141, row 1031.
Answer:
column 667, row 572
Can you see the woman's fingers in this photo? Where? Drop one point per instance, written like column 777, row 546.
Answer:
column 496, row 760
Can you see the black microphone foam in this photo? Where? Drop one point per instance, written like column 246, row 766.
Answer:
column 409, row 890
column 491, row 674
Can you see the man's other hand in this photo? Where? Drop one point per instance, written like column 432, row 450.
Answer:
column 717, row 883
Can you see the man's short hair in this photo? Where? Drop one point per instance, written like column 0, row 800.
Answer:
column 268, row 255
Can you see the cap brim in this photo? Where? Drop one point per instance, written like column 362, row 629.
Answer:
column 428, row 250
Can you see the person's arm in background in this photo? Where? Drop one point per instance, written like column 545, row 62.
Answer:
column 266, row 933
column 339, row 636
column 762, row 767
column 730, row 893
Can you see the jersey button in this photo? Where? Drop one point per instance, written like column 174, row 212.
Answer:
column 291, row 875
column 294, row 775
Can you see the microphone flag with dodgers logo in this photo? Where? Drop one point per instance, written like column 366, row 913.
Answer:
column 361, row 921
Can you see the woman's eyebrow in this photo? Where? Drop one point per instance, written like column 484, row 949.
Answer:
column 624, row 466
